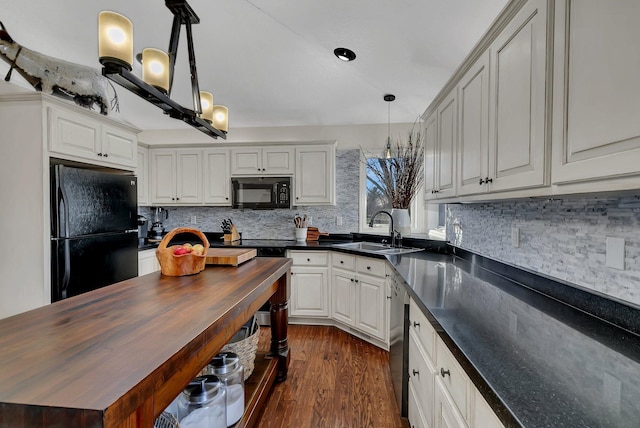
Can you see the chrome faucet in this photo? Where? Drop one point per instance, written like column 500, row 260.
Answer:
column 392, row 231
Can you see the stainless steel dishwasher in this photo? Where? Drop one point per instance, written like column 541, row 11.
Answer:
column 399, row 343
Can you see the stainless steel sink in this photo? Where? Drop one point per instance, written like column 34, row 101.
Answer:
column 376, row 248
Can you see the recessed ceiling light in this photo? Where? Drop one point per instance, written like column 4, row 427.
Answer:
column 345, row 54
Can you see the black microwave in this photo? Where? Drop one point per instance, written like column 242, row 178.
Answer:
column 261, row 193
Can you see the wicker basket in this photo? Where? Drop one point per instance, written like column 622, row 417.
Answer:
column 184, row 264
column 166, row 420
column 246, row 350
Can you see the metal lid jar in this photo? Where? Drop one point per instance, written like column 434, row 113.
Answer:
column 202, row 404
column 228, row 368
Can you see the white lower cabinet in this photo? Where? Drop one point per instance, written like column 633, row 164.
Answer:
column 483, row 416
column 416, row 417
column 446, row 413
column 147, row 262
column 309, row 284
column 421, row 381
column 443, row 393
column 360, row 293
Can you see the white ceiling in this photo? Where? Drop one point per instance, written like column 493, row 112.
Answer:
column 271, row 61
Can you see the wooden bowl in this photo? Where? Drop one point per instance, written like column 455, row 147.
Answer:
column 183, row 264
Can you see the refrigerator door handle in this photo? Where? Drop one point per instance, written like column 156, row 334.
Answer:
column 62, row 221
column 67, row 270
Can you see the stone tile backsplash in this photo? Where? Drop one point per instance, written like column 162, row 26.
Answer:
column 561, row 238
column 278, row 224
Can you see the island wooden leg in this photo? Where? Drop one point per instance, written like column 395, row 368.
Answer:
column 279, row 324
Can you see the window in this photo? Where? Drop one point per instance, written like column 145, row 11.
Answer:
column 373, row 199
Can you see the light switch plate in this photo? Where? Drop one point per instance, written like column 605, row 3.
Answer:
column 615, row 253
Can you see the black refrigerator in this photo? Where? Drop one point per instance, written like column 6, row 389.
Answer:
column 94, row 230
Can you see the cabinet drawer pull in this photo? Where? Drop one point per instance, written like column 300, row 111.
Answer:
column 444, row 372
column 308, row 260
column 416, row 372
column 416, row 324
column 368, row 267
column 341, row 262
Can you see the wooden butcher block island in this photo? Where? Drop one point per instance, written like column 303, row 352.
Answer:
column 117, row 356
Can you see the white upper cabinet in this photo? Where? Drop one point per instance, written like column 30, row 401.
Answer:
column 85, row 137
column 142, row 171
column 176, row 176
column 430, row 134
column 217, row 181
column 314, row 181
column 596, row 131
column 274, row 160
column 517, row 144
column 473, row 128
column 440, row 149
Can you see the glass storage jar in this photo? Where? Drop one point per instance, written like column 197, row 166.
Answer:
column 202, row 404
column 228, row 368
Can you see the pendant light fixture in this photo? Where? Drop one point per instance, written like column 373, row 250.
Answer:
column 388, row 98
column 115, row 48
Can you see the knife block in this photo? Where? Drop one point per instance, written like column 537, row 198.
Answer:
column 233, row 236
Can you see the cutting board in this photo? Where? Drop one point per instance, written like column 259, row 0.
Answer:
column 229, row 256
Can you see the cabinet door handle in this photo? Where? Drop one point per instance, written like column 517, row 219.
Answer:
column 389, row 297
column 416, row 324
column 487, row 180
column 481, row 182
column 416, row 372
column 444, row 372
column 106, row 155
column 99, row 154
column 368, row 267
column 341, row 262
column 352, row 279
column 357, row 280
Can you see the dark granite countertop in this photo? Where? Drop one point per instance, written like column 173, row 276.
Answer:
column 537, row 361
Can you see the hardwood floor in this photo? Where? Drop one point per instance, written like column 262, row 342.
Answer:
column 335, row 380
